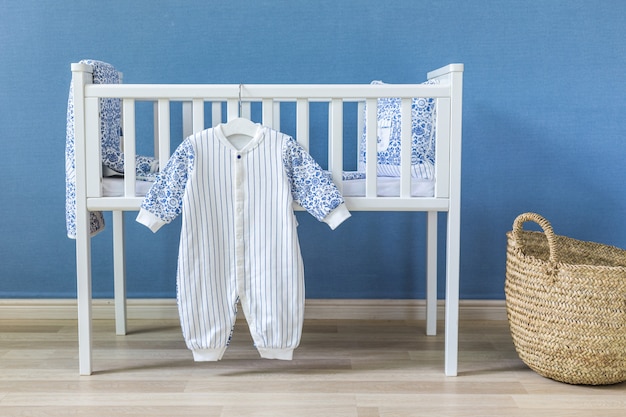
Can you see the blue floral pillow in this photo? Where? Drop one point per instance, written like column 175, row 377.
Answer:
column 388, row 138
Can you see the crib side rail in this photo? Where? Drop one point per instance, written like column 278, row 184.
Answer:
column 256, row 92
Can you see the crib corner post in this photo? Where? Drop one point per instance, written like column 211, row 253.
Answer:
column 454, row 221
column 81, row 76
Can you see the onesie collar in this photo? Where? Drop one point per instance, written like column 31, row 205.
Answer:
column 252, row 143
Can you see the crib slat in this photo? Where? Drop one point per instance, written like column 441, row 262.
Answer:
column 92, row 148
column 276, row 121
column 360, row 128
column 371, row 153
column 198, row 114
column 187, row 119
column 335, row 141
column 163, row 131
column 130, row 172
column 442, row 146
column 245, row 110
column 405, row 148
column 268, row 112
column 155, row 124
column 302, row 122
column 232, row 109
column 216, row 113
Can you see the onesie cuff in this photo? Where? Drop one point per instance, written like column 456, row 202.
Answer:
column 282, row 354
column 208, row 355
column 337, row 216
column 149, row 220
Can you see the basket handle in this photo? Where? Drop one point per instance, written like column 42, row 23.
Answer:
column 544, row 224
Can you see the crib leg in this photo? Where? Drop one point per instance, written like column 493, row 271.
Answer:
column 83, row 296
column 452, row 292
column 431, row 274
column 119, row 273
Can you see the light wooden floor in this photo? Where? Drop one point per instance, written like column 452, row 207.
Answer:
column 342, row 368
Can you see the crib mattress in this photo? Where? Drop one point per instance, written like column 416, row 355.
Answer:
column 387, row 187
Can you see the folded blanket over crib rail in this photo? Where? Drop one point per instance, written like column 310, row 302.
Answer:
column 112, row 155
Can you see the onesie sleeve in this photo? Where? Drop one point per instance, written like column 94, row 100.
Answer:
column 163, row 202
column 312, row 187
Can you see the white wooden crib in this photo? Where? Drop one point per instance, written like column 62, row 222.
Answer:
column 234, row 100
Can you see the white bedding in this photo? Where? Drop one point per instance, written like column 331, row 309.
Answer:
column 387, row 187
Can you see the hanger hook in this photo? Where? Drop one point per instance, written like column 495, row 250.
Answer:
column 240, row 104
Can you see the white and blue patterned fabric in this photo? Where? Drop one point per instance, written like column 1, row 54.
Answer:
column 110, row 137
column 388, row 137
column 351, row 175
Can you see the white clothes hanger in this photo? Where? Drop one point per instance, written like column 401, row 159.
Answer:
column 240, row 126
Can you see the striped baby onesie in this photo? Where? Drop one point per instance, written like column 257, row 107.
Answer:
column 238, row 239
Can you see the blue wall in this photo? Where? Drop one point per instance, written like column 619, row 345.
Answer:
column 544, row 123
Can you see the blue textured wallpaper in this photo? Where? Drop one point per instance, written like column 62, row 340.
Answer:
column 544, row 127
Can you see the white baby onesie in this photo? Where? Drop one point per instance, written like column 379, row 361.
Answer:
column 239, row 239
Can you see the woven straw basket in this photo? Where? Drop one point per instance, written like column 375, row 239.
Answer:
column 566, row 304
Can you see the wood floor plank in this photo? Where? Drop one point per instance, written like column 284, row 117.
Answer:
column 343, row 368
